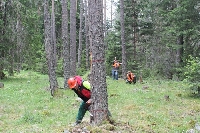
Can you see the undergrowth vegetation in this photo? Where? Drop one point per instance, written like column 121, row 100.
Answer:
column 152, row 106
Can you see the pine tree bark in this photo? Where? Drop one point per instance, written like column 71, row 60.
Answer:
column 80, row 34
column 179, row 51
column 87, row 35
column 47, row 33
column 124, row 62
column 66, row 62
column 134, row 29
column 99, row 108
column 19, row 45
column 53, row 82
column 53, row 35
column 49, row 49
column 111, row 13
column 73, row 37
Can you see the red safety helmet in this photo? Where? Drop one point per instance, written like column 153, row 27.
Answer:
column 72, row 83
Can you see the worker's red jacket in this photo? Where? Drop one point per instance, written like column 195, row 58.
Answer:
column 83, row 91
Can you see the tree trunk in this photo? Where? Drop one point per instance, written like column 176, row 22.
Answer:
column 80, row 34
column 73, row 37
column 124, row 62
column 104, row 13
column 87, row 36
column 49, row 47
column 134, row 29
column 54, row 83
column 53, row 35
column 179, row 51
column 111, row 13
column 2, row 75
column 99, row 108
column 11, row 62
column 66, row 62
column 198, row 90
column 47, row 33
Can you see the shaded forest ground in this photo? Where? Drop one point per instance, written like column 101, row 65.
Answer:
column 153, row 106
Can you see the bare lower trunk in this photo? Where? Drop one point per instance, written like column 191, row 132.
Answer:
column 123, row 39
column 73, row 37
column 87, row 36
column 179, row 51
column 49, row 49
column 80, row 34
column 99, row 108
column 66, row 62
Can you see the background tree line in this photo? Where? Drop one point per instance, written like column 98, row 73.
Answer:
column 161, row 38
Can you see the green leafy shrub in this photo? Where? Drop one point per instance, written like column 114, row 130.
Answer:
column 192, row 73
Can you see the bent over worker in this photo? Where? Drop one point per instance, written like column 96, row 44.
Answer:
column 82, row 89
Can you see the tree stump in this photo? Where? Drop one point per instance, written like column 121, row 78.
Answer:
column 166, row 97
column 1, row 85
column 2, row 75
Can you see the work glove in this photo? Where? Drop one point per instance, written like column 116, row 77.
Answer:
column 88, row 103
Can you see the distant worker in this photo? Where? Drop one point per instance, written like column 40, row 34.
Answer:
column 115, row 69
column 130, row 77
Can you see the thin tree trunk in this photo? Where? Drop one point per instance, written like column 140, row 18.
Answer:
column 111, row 13
column 11, row 62
column 87, row 36
column 104, row 12
column 49, row 48
column 47, row 33
column 134, row 29
column 66, row 62
column 80, row 34
column 54, row 83
column 2, row 32
column 124, row 62
column 19, row 44
column 179, row 51
column 99, row 108
column 53, row 32
column 73, row 37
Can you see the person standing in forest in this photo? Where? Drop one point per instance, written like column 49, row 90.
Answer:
column 115, row 68
column 82, row 89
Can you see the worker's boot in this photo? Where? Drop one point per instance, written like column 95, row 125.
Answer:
column 77, row 122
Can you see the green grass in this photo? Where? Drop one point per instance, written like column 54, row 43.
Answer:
column 26, row 106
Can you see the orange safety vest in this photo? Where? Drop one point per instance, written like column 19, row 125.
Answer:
column 130, row 77
column 116, row 64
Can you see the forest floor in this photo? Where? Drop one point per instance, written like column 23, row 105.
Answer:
column 153, row 106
